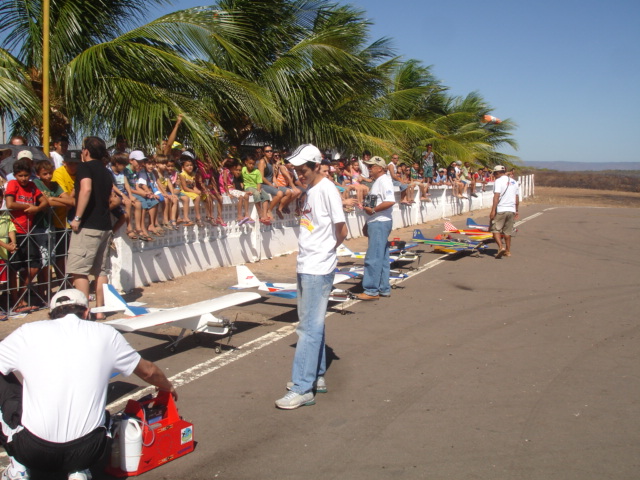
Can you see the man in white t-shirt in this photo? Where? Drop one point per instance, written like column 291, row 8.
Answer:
column 56, row 421
column 504, row 210
column 376, row 262
column 322, row 229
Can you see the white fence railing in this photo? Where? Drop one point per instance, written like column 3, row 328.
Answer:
column 196, row 249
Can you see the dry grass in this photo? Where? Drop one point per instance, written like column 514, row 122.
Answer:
column 584, row 197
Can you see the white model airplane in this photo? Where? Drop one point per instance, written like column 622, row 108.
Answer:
column 395, row 254
column 246, row 279
column 197, row 317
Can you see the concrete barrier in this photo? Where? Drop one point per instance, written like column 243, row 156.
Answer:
column 195, row 249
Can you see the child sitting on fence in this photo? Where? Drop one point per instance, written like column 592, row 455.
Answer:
column 206, row 180
column 188, row 187
column 163, row 182
column 252, row 179
column 230, row 183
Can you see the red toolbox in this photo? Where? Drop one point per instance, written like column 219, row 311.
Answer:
column 165, row 435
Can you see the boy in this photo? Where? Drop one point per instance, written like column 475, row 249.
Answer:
column 24, row 200
column 119, row 163
column 61, row 202
column 8, row 245
column 230, row 182
column 252, row 179
column 188, row 188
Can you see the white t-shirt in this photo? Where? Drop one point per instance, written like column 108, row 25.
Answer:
column 507, row 188
column 66, row 365
column 383, row 189
column 317, row 239
column 57, row 159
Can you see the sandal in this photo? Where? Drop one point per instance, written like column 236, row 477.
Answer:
column 146, row 238
column 220, row 222
column 200, row 223
column 279, row 213
column 188, row 224
column 132, row 235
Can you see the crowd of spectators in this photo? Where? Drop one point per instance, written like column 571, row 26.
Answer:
column 176, row 189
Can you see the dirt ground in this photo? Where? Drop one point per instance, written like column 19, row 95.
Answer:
column 214, row 283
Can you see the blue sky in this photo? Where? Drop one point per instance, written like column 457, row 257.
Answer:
column 566, row 71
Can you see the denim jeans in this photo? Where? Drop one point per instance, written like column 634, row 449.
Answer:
column 376, row 262
column 310, row 361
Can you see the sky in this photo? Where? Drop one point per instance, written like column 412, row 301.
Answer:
column 567, row 72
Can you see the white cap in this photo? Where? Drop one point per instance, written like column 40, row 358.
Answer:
column 137, row 155
column 70, row 296
column 336, row 156
column 305, row 153
column 499, row 168
column 25, row 154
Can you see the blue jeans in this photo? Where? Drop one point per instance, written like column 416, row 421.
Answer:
column 376, row 262
column 310, row 359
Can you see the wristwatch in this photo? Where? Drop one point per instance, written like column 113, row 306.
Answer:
column 76, row 219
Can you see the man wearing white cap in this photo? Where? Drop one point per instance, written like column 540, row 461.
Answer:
column 504, row 210
column 57, row 422
column 322, row 229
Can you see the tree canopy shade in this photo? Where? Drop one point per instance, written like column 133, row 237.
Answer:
column 297, row 71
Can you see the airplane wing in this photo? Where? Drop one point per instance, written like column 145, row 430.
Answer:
column 181, row 313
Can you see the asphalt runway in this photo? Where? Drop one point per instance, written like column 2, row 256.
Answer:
column 520, row 368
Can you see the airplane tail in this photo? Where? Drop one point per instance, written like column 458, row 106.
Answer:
column 448, row 227
column 246, row 278
column 113, row 302
column 417, row 235
column 471, row 223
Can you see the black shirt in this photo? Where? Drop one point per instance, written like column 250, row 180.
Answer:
column 96, row 216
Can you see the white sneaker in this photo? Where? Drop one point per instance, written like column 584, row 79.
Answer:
column 81, row 475
column 320, row 386
column 16, row 475
column 294, row 400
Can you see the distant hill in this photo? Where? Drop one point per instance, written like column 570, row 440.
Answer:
column 584, row 166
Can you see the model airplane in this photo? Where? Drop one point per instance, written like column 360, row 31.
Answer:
column 472, row 225
column 474, row 234
column 447, row 245
column 246, row 279
column 197, row 317
column 396, row 248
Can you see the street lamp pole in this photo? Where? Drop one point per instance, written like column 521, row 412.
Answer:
column 45, row 76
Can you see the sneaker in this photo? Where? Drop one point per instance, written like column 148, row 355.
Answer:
column 294, row 400
column 474, row 195
column 81, row 475
column 16, row 475
column 320, row 386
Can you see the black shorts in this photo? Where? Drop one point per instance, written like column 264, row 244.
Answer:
column 27, row 255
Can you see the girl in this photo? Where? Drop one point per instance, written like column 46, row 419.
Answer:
column 230, row 182
column 188, row 187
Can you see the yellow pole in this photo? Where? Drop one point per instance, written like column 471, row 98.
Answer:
column 45, row 77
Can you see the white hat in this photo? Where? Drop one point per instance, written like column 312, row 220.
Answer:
column 305, row 153
column 137, row 155
column 70, row 296
column 25, row 154
column 188, row 154
column 499, row 168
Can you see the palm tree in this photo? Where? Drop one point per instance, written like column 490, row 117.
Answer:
column 109, row 75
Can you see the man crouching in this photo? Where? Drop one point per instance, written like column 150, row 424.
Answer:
column 56, row 422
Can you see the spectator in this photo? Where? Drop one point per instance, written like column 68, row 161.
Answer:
column 144, row 198
column 119, row 163
column 121, row 146
column 60, row 149
column 441, row 177
column 58, row 423
column 428, row 163
column 268, row 171
column 322, row 230
column 352, row 172
column 188, row 187
column 252, row 180
column 25, row 201
column 18, row 140
column 8, row 245
column 397, row 180
column 207, row 182
column 467, row 179
column 378, row 227
column 163, row 182
column 148, row 182
column 53, row 224
column 89, row 248
column 230, row 182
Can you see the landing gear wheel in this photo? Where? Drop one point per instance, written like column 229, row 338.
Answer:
column 218, row 349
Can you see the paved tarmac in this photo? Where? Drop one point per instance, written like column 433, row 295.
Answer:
column 520, row 368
